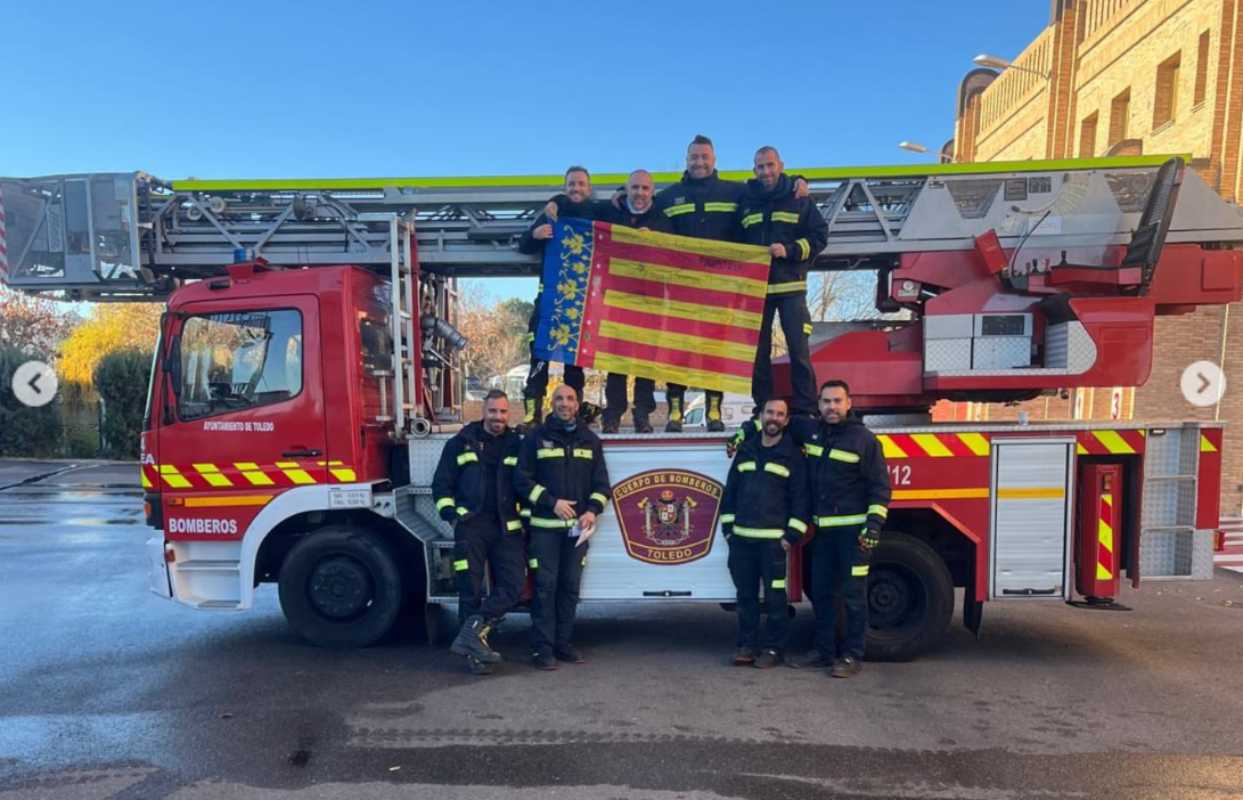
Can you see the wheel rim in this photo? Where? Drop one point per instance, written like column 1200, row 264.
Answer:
column 897, row 599
column 340, row 588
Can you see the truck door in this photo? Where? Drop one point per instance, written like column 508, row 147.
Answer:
column 244, row 420
column 1031, row 502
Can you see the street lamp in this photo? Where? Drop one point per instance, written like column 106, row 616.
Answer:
column 916, row 147
column 997, row 62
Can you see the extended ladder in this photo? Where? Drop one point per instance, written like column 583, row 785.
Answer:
column 123, row 236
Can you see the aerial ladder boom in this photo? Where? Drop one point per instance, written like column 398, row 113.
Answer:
column 1002, row 265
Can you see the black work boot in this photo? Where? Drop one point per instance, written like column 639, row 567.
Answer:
column 641, row 424
column 531, row 409
column 674, row 425
column 610, row 425
column 472, row 641
column 744, row 656
column 846, row 667
column 813, row 659
column 478, row 667
column 767, row 659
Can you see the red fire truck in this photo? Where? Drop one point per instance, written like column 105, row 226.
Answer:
column 305, row 381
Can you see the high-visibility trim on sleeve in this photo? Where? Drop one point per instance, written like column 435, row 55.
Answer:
column 524, row 512
column 779, row 583
column 728, row 208
column 777, row 469
column 797, row 524
column 678, row 210
column 807, row 328
column 878, row 510
column 844, row 456
column 461, row 512
column 461, row 565
column 752, row 219
column 601, row 498
column 813, row 450
column 533, row 563
column 747, row 466
column 513, row 524
column 510, row 461
column 727, row 518
column 785, row 216
column 467, row 457
column 859, row 571
column 791, row 286
column 535, row 493
column 804, row 249
column 444, row 503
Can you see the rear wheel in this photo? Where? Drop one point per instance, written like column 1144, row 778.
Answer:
column 910, row 597
column 341, row 587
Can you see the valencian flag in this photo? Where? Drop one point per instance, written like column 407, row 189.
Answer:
column 655, row 305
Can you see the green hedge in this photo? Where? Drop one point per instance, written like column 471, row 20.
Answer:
column 121, row 379
column 26, row 432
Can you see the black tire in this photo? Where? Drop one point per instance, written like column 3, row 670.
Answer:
column 341, row 587
column 910, row 598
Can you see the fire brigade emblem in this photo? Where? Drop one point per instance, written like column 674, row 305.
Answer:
column 667, row 516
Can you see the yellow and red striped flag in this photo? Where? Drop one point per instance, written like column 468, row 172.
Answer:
column 654, row 305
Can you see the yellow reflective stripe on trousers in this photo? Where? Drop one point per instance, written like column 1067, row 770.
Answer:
column 844, row 455
column 461, row 565
column 467, row 457
column 510, row 461
column 725, row 518
column 759, row 533
column 813, row 450
column 878, row 510
column 747, row 466
column 779, row 583
column 785, row 216
column 841, row 519
column 461, row 512
column 444, row 503
column 859, row 571
column 513, row 524
column 601, row 498
column 797, row 524
column 777, row 469
column 752, row 219
column 791, row 286
column 535, row 493
column 550, row 452
column 582, row 452
column 533, row 563
column 553, row 522
column 684, row 208
column 524, row 512
column 804, row 249
column 728, row 208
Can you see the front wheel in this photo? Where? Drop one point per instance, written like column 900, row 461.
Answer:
column 910, row 597
column 341, row 587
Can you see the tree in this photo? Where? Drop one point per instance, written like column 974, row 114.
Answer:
column 121, row 379
column 26, row 431
column 32, row 324
column 109, row 329
column 497, row 334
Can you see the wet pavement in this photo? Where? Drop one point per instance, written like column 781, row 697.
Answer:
column 107, row 691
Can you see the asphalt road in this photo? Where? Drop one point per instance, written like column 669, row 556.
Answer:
column 107, row 691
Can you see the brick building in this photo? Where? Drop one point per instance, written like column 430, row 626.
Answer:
column 1126, row 77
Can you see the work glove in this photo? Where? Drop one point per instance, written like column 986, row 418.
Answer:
column 868, row 538
column 449, row 514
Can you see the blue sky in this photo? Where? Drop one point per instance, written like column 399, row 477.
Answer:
column 311, row 89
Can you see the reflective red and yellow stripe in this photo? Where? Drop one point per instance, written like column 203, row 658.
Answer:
column 245, row 474
column 1105, row 564
column 1110, row 442
column 934, row 445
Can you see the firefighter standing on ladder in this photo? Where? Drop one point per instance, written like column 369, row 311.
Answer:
column 575, row 202
column 763, row 512
column 473, row 487
column 562, row 476
column 794, row 231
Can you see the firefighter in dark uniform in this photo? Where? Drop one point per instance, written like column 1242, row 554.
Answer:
column 562, row 476
column 704, row 206
column 763, row 513
column 795, row 232
column 474, row 490
column 637, row 210
column 574, row 202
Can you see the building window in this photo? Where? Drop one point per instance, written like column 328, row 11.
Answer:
column 1166, row 103
column 1201, row 70
column 1119, row 111
column 1087, row 136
